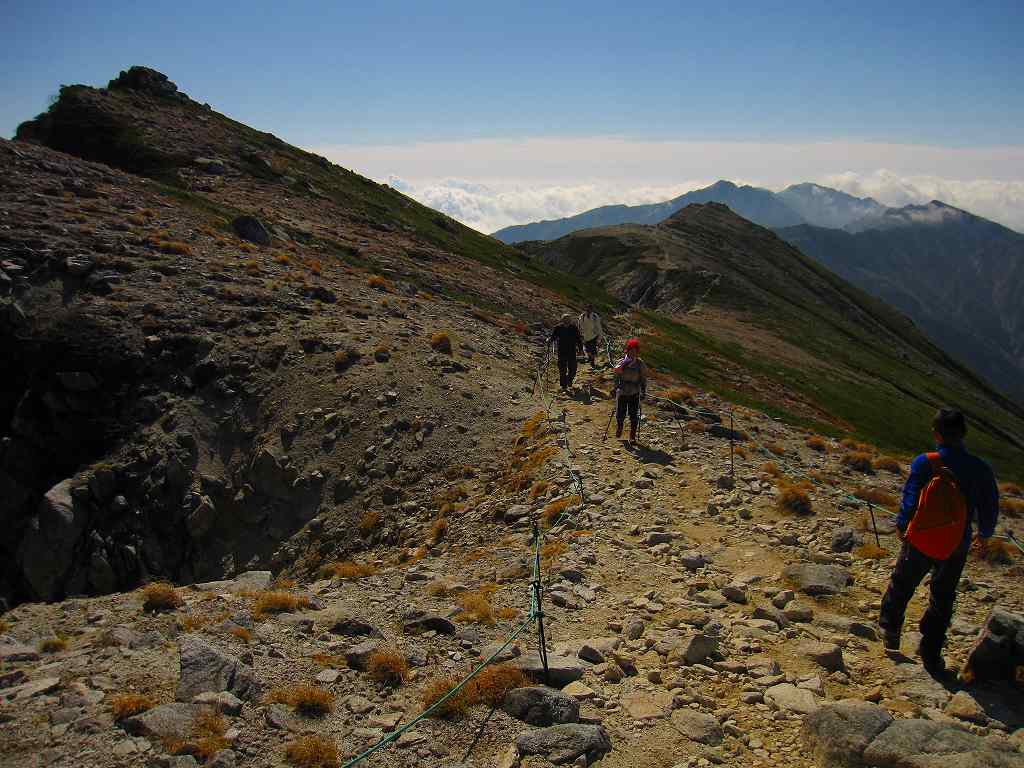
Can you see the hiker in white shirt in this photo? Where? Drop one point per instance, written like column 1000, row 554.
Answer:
column 590, row 329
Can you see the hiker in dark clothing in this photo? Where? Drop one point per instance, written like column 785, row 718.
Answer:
column 977, row 484
column 630, row 386
column 566, row 337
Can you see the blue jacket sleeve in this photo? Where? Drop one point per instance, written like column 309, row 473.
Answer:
column 920, row 474
column 988, row 504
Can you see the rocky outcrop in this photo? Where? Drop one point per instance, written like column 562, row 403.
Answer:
column 538, row 705
column 999, row 650
column 206, row 668
column 47, row 551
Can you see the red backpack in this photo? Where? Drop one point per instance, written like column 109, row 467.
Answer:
column 937, row 527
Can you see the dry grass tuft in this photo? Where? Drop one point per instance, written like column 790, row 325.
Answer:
column 348, row 571
column 161, row 596
column 439, row 530
column 553, row 550
column 770, row 469
column 476, row 606
column 4, row 627
column 816, row 443
column 1011, row 507
column 441, row 342
column 388, row 667
column 192, row 623
column 455, row 707
column 174, row 246
column 305, row 698
column 696, row 426
column 277, row 602
column 852, row 445
column 1010, row 489
column 378, row 283
column 538, row 489
column 554, row 509
column 794, row 499
column 124, row 705
column 859, row 461
column 208, row 729
column 877, row 497
column 680, row 395
column 776, row 448
column 312, row 751
column 346, row 357
column 53, row 645
column 241, row 633
column 368, row 523
column 870, row 551
column 889, row 464
column 493, row 684
column 996, row 552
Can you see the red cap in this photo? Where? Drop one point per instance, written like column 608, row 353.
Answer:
column 633, row 344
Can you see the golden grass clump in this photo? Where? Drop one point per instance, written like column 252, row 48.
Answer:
column 740, row 451
column 275, row 601
column 817, row 443
column 696, row 427
column 1011, row 507
column 346, row 357
column 771, row 469
column 538, row 489
column 4, row 627
column 877, row 497
column 494, row 682
column 124, row 705
column 53, row 645
column 680, row 395
column 281, row 258
column 439, row 530
column 161, row 596
column 348, row 571
column 870, row 551
column 1010, row 489
column 776, row 448
column 312, row 751
column 208, row 729
column 330, row 661
column 794, row 499
column 995, row 552
column 455, row 707
column 859, row 461
column 241, row 633
column 378, row 283
column 368, row 522
column 553, row 550
column 476, row 606
column 305, row 698
column 247, row 248
column 191, row 623
column 554, row 509
column 889, row 464
column 174, row 246
column 388, row 667
column 441, row 342
column 852, row 445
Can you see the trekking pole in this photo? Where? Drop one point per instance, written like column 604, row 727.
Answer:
column 542, row 650
column 639, row 417
column 874, row 527
column 1010, row 537
column 615, row 407
column 732, row 446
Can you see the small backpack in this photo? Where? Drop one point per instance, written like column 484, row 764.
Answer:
column 937, row 527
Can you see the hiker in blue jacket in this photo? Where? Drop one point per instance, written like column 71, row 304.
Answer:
column 978, row 485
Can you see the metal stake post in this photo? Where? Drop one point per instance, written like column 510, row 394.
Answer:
column 542, row 649
column 732, row 447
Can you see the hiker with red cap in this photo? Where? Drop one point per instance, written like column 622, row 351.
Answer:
column 630, row 386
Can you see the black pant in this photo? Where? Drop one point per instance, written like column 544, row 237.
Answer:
column 911, row 568
column 591, row 347
column 566, row 368
column 629, row 403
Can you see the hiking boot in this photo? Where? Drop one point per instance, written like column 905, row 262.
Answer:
column 618, row 431
column 934, row 665
column 632, row 435
column 891, row 642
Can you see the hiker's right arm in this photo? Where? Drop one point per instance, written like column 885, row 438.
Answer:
column 988, row 506
column 920, row 472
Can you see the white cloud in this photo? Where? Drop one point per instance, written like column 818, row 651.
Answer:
column 491, row 183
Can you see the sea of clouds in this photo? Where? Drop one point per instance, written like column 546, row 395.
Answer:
column 493, row 183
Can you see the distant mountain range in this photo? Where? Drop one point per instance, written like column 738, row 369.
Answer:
column 960, row 277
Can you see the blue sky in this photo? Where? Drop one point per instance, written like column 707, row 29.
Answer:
column 941, row 74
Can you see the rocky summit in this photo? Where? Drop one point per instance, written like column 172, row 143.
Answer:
column 275, row 441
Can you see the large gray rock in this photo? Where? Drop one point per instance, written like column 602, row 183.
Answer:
column 47, row 550
column 844, row 540
column 562, row 744
column 694, row 649
column 788, row 697
column 827, row 655
column 814, row 579
column 697, row 726
column 250, row 228
column 999, row 649
column 538, row 705
column 838, row 734
column 168, row 721
column 206, row 668
column 430, row 622
column 930, row 744
column 250, row 581
column 562, row 669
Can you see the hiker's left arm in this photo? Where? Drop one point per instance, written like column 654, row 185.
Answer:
column 988, row 506
column 920, row 471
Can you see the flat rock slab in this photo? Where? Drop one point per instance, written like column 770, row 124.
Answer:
column 788, row 697
column 647, row 706
column 207, row 668
column 561, row 744
column 168, row 721
column 250, row 581
column 814, row 579
column 538, row 705
column 838, row 734
column 928, row 744
column 697, row 726
column 562, row 669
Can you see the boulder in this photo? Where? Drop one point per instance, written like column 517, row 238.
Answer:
column 48, row 547
column 566, row 743
column 222, row 701
column 561, row 669
column 931, row 744
column 358, row 655
column 827, row 655
column 430, row 622
column 206, row 668
column 538, row 705
column 694, row 649
column 999, row 649
column 815, row 579
column 697, row 726
column 789, row 698
column 348, row 626
column 250, row 228
column 168, row 721
column 844, row 540
column 837, row 734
